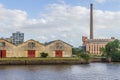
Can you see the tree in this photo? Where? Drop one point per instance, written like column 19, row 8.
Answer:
column 86, row 57
column 77, row 51
column 43, row 54
column 103, row 51
column 112, row 47
column 111, row 50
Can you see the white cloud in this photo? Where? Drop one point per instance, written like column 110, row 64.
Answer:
column 64, row 35
column 53, row 36
column 101, row 1
column 62, row 21
column 42, row 37
column 11, row 18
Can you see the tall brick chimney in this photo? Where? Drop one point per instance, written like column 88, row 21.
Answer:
column 91, row 21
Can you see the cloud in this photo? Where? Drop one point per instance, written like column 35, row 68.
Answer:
column 43, row 37
column 11, row 18
column 101, row 1
column 62, row 21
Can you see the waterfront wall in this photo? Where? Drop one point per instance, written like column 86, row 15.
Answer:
column 38, row 62
column 98, row 60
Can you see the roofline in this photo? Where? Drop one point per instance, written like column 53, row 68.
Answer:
column 31, row 40
column 58, row 40
column 7, row 41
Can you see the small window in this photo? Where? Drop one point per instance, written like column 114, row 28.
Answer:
column 2, row 44
column 31, row 44
column 59, row 46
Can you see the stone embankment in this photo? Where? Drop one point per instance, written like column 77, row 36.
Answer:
column 38, row 62
column 98, row 60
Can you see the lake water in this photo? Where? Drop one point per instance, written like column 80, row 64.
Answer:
column 93, row 71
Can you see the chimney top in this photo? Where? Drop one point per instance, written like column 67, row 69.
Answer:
column 91, row 4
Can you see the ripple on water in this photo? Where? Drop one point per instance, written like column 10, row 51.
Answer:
column 93, row 71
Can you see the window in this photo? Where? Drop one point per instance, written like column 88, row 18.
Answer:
column 31, row 44
column 59, row 46
column 2, row 44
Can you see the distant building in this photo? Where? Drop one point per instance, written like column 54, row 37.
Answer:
column 93, row 46
column 17, row 38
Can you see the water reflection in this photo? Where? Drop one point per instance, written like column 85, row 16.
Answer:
column 93, row 71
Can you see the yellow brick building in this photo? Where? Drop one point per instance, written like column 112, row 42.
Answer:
column 7, row 49
column 32, row 48
column 58, row 48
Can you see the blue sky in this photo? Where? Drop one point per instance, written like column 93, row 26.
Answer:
column 68, row 20
column 33, row 8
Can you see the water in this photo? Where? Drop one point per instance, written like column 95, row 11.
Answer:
column 93, row 71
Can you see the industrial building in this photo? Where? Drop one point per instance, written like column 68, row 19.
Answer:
column 93, row 46
column 32, row 49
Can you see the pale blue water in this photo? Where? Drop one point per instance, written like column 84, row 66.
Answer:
column 93, row 71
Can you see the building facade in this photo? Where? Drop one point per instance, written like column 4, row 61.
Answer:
column 17, row 38
column 93, row 46
column 58, row 48
column 32, row 49
column 7, row 49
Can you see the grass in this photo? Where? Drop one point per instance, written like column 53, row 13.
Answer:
column 71, row 58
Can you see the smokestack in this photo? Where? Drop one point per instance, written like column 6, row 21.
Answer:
column 91, row 21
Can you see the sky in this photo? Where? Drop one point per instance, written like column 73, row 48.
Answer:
column 67, row 20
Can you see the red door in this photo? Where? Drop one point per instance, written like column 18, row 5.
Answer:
column 2, row 53
column 31, row 53
column 58, row 53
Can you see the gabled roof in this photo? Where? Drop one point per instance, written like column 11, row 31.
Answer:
column 7, row 41
column 48, row 43
column 31, row 40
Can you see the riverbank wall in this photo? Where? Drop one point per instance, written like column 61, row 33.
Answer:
column 98, row 60
column 38, row 62
column 45, row 62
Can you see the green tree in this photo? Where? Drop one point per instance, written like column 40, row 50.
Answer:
column 112, row 47
column 112, row 51
column 77, row 51
column 103, row 51
column 86, row 57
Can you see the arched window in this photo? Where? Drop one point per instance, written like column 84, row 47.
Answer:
column 31, row 44
column 2, row 44
column 59, row 46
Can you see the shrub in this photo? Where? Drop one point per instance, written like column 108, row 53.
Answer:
column 86, row 57
column 115, row 57
column 43, row 54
